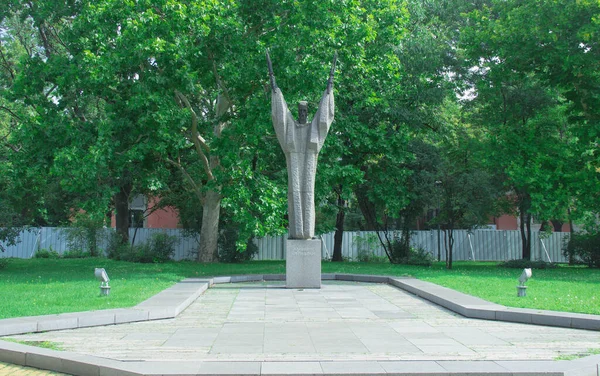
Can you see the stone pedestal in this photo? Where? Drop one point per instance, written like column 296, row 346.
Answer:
column 303, row 264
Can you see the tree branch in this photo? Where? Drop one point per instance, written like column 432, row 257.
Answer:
column 10, row 112
column 195, row 187
column 50, row 91
column 198, row 141
column 7, row 64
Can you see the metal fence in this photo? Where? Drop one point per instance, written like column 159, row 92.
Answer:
column 479, row 245
column 57, row 239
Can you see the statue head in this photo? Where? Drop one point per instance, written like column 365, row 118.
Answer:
column 302, row 112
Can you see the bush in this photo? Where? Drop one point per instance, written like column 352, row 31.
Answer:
column 75, row 253
column 420, row 256
column 402, row 253
column 158, row 249
column 114, row 248
column 370, row 256
column 229, row 245
column 162, row 247
column 3, row 263
column 524, row 263
column 85, row 234
column 47, row 254
column 365, row 244
column 583, row 248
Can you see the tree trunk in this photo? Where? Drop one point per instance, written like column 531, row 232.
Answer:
column 209, row 232
column 571, row 259
column 367, row 208
column 122, row 213
column 339, row 230
column 449, row 248
column 369, row 212
column 557, row 225
column 525, row 227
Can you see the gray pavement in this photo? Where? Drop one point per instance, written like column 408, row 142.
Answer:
column 344, row 328
column 343, row 321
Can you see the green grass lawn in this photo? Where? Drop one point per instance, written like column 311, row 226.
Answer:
column 46, row 286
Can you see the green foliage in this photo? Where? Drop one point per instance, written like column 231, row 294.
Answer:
column 76, row 253
column 158, row 249
column 69, row 254
column 115, row 247
column 532, row 66
column 524, row 263
column 230, row 250
column 408, row 255
column 85, row 234
column 370, row 256
column 583, row 248
column 86, row 117
column 365, row 248
column 162, row 247
column 366, row 243
column 4, row 263
column 47, row 254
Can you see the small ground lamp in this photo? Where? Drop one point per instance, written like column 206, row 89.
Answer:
column 101, row 276
column 522, row 289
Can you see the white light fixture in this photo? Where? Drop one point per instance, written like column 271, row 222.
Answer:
column 101, row 276
column 522, row 289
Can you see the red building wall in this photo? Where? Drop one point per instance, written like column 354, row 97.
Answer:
column 506, row 222
column 162, row 218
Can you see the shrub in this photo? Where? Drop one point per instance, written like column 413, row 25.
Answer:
column 524, row 263
column 162, row 247
column 366, row 243
column 230, row 250
column 115, row 249
column 75, row 253
column 158, row 249
column 47, row 253
column 403, row 253
column 3, row 263
column 583, row 248
column 420, row 256
column 370, row 256
column 400, row 251
column 85, row 234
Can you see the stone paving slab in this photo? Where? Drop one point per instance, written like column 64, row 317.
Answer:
column 288, row 332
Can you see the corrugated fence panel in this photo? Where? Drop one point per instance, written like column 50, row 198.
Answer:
column 480, row 245
column 548, row 246
column 26, row 246
column 270, row 248
column 53, row 238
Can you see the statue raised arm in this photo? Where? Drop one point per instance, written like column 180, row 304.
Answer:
column 271, row 75
column 331, row 73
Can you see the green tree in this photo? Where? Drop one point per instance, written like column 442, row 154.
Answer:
column 515, row 51
column 468, row 194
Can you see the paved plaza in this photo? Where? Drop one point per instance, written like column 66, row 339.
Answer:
column 343, row 321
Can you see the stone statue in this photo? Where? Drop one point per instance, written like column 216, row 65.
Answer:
column 301, row 142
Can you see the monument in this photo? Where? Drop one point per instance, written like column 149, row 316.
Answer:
column 301, row 142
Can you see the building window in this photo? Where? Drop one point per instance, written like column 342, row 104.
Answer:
column 136, row 218
column 137, row 208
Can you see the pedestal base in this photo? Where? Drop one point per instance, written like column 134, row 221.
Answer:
column 303, row 264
